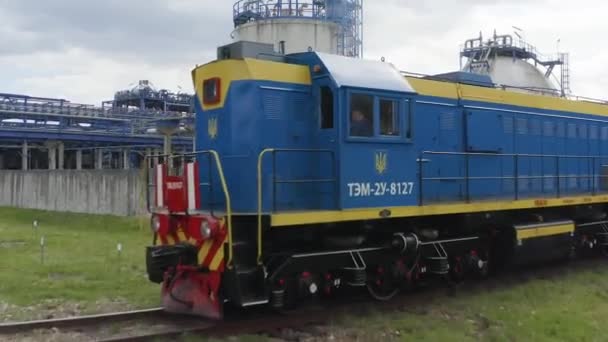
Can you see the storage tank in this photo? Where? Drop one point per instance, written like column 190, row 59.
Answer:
column 516, row 64
column 330, row 26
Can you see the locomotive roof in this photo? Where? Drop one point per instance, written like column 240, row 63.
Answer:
column 352, row 72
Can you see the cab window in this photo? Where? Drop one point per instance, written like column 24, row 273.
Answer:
column 327, row 108
column 389, row 118
column 212, row 91
column 361, row 115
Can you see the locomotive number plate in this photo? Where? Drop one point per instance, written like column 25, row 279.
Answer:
column 368, row 189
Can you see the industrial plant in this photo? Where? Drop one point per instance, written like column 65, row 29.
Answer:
column 45, row 133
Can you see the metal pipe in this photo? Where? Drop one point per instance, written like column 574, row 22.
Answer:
column 467, row 180
column 558, row 177
column 420, row 179
column 274, row 181
column 516, row 175
column 260, row 205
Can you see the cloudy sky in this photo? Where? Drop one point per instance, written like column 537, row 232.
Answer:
column 84, row 50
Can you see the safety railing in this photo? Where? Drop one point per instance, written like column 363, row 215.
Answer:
column 545, row 169
column 274, row 152
column 176, row 165
column 58, row 118
column 246, row 10
column 150, row 162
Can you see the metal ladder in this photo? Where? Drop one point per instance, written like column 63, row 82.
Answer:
column 565, row 81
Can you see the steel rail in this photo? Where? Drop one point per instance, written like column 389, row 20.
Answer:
column 79, row 321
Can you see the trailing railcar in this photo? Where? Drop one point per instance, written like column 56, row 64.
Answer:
column 314, row 172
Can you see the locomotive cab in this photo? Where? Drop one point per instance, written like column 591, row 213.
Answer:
column 363, row 115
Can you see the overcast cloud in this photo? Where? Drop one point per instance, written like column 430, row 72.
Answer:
column 85, row 50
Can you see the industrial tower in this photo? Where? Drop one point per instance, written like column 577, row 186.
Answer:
column 514, row 62
column 331, row 26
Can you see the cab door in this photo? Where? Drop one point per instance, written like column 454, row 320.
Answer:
column 377, row 157
column 327, row 107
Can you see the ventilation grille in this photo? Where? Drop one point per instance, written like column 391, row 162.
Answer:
column 447, row 121
column 535, row 127
column 548, row 129
column 522, row 126
column 507, row 124
column 273, row 105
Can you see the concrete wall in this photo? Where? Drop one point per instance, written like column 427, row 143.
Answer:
column 115, row 192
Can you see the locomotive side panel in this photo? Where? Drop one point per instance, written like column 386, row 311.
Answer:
column 442, row 179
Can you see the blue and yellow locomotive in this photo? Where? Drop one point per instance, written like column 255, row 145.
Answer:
column 314, row 172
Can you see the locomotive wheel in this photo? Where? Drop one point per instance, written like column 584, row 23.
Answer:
column 382, row 285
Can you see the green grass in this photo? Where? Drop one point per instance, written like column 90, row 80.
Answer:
column 82, row 266
column 81, row 262
column 570, row 304
column 569, row 307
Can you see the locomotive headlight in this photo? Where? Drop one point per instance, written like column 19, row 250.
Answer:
column 155, row 224
column 206, row 231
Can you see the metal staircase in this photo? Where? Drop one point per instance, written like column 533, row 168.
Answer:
column 480, row 63
column 248, row 277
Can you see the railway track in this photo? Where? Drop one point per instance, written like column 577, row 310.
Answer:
column 173, row 326
column 93, row 326
column 264, row 321
column 82, row 321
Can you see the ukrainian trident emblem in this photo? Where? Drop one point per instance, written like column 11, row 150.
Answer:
column 212, row 128
column 381, row 162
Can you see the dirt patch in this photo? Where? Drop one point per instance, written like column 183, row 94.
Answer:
column 58, row 276
column 337, row 334
column 93, row 333
column 53, row 335
column 314, row 334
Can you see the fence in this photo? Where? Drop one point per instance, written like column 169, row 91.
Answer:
column 112, row 192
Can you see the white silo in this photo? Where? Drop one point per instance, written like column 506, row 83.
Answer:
column 330, row 26
column 516, row 64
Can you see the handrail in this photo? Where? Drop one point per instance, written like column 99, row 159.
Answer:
column 259, row 233
column 216, row 157
column 260, row 179
column 510, row 154
column 506, row 87
column 220, row 171
column 591, row 162
column 309, row 9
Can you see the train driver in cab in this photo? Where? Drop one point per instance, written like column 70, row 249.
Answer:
column 360, row 125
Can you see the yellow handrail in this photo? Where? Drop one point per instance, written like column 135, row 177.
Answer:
column 220, row 171
column 260, row 158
